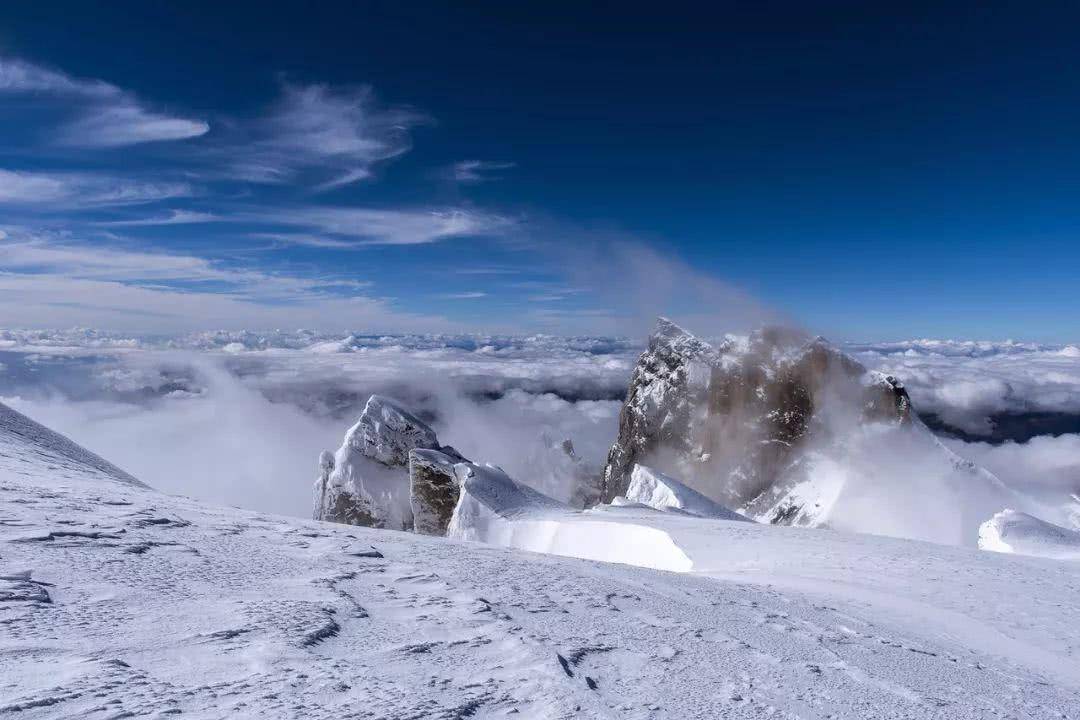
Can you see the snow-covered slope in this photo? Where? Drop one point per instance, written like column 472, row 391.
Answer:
column 656, row 490
column 117, row 601
column 1011, row 531
column 28, row 447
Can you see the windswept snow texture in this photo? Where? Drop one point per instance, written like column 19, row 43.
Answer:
column 1015, row 532
column 656, row 490
column 117, row 601
column 25, row 446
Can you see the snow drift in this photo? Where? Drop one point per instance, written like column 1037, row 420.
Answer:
column 656, row 490
column 1010, row 531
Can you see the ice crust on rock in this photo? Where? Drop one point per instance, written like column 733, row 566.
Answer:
column 366, row 482
column 386, row 432
column 1011, row 531
column 656, row 490
column 495, row 509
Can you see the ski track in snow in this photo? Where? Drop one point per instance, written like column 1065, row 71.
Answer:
column 117, row 601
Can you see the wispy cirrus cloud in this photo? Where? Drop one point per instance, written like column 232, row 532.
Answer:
column 79, row 189
column 173, row 217
column 382, row 226
column 477, row 171
column 336, row 135
column 107, row 285
column 106, row 116
column 472, row 295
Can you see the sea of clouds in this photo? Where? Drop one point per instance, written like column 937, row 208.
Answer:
column 240, row 417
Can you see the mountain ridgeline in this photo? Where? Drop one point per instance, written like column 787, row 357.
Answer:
column 731, row 419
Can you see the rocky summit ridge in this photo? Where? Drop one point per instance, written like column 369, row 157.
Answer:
column 732, row 418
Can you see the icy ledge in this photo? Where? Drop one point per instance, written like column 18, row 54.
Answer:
column 495, row 509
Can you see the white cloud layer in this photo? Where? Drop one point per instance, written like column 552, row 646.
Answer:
column 72, row 190
column 107, row 116
column 98, row 285
column 227, row 420
column 339, row 133
column 163, row 407
column 477, row 171
column 380, row 226
column 966, row 383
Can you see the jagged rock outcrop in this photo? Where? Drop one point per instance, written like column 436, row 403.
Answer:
column 730, row 419
column 366, row 482
column 434, row 488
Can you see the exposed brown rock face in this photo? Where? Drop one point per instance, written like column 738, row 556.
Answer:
column 728, row 419
column 434, row 488
column 659, row 403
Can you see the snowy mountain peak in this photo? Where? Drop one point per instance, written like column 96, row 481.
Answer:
column 386, row 432
column 667, row 337
column 788, row 429
column 366, row 482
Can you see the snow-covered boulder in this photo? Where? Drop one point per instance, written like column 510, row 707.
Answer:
column 656, row 490
column 1011, row 531
column 433, row 488
column 366, row 482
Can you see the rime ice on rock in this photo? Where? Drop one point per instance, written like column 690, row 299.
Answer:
column 367, row 481
column 386, row 432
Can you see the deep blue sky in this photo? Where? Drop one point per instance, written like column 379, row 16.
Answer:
column 870, row 171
